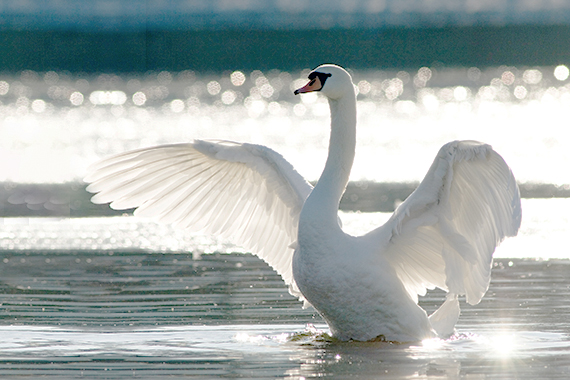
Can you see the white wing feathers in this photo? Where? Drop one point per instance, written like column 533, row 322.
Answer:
column 243, row 192
column 445, row 233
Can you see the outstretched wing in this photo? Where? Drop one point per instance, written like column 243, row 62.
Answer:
column 445, row 233
column 243, row 192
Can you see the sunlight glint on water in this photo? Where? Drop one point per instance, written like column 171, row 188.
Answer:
column 543, row 233
column 54, row 125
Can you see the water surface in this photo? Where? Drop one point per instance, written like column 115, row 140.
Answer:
column 169, row 317
column 120, row 297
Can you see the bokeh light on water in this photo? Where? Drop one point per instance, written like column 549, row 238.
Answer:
column 53, row 125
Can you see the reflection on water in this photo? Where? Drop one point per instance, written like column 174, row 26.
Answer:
column 172, row 352
column 117, row 288
column 55, row 124
column 510, row 342
column 138, row 303
column 543, row 233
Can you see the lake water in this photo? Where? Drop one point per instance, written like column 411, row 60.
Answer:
column 120, row 297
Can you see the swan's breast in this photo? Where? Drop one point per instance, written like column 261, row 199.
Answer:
column 359, row 298
column 338, row 270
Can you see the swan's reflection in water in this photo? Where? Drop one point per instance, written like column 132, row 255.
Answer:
column 275, row 351
column 504, row 354
column 375, row 359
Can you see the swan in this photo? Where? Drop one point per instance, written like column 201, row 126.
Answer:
column 365, row 287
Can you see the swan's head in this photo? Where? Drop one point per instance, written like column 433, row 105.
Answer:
column 332, row 80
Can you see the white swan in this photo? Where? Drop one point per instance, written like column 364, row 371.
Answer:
column 365, row 287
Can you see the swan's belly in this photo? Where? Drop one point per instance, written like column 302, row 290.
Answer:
column 359, row 299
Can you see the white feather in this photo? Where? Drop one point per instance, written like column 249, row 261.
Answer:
column 243, row 192
column 443, row 235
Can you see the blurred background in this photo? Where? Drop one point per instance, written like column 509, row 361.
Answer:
column 82, row 80
column 125, row 36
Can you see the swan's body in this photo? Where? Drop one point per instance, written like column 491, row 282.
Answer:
column 365, row 287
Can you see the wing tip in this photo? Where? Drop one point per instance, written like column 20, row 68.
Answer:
column 466, row 149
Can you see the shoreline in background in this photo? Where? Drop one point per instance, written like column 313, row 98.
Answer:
column 72, row 200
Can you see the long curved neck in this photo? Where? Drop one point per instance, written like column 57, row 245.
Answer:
column 326, row 195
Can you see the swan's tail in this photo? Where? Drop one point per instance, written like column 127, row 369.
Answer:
column 443, row 320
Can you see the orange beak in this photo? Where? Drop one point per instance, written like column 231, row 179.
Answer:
column 313, row 85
